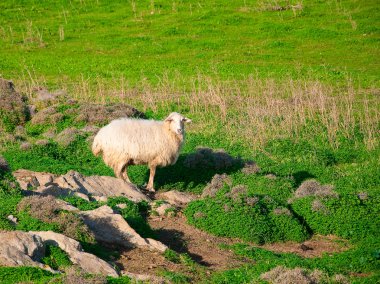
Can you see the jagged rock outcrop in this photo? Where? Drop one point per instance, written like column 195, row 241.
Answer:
column 73, row 183
column 110, row 227
column 19, row 248
column 88, row 262
column 176, row 198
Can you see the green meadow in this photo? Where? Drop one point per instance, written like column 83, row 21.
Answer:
column 291, row 85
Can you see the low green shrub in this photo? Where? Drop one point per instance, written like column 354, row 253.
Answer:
column 223, row 216
column 347, row 216
column 100, row 250
column 58, row 159
column 119, row 280
column 134, row 213
column 28, row 223
column 81, row 203
column 361, row 259
column 56, row 258
column 12, row 275
column 175, row 277
column 10, row 196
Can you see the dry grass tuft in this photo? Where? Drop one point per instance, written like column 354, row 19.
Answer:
column 250, row 167
column 48, row 209
column 278, row 5
column 283, row 275
column 216, row 184
column 314, row 188
column 237, row 192
column 67, row 136
column 251, row 110
column 318, row 206
column 74, row 275
column 282, row 211
column 4, row 166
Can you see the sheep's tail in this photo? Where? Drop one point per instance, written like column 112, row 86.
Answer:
column 96, row 148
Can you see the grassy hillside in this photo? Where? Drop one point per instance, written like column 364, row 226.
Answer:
column 292, row 85
column 60, row 41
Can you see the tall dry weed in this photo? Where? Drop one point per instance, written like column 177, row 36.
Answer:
column 252, row 109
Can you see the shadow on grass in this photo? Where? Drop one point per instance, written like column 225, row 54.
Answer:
column 301, row 176
column 194, row 170
column 174, row 239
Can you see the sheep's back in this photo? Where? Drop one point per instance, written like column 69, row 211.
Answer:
column 138, row 140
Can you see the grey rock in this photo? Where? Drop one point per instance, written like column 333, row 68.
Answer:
column 73, row 183
column 110, row 227
column 88, row 262
column 176, row 198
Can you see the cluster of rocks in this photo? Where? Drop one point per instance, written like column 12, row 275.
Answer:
column 104, row 223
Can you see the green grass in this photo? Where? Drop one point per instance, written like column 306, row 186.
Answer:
column 295, row 91
column 11, row 275
column 361, row 260
column 56, row 258
column 114, row 40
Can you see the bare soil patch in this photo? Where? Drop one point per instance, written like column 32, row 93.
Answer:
column 315, row 247
column 143, row 261
column 205, row 249
column 200, row 246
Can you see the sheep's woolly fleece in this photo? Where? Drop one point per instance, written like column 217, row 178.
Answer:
column 127, row 141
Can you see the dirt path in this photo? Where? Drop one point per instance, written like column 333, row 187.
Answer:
column 205, row 249
column 199, row 245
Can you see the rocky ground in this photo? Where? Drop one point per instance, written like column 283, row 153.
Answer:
column 177, row 247
column 141, row 258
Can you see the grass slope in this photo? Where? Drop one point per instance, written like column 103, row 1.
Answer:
column 147, row 39
column 291, row 85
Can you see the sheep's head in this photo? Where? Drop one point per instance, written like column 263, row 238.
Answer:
column 176, row 123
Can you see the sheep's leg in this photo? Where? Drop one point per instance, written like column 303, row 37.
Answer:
column 151, row 177
column 125, row 175
column 120, row 172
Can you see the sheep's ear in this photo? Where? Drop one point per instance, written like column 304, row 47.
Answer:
column 185, row 119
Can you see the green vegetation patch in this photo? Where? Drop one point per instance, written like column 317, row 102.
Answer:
column 57, row 159
column 361, row 260
column 56, row 258
column 11, row 275
column 349, row 216
column 264, row 219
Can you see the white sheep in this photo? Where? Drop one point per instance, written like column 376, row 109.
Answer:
column 129, row 141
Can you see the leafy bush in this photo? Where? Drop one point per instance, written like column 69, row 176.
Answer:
column 172, row 256
column 360, row 259
column 223, row 217
column 347, row 216
column 119, row 280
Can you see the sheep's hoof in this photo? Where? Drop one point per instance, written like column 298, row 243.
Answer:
column 150, row 188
